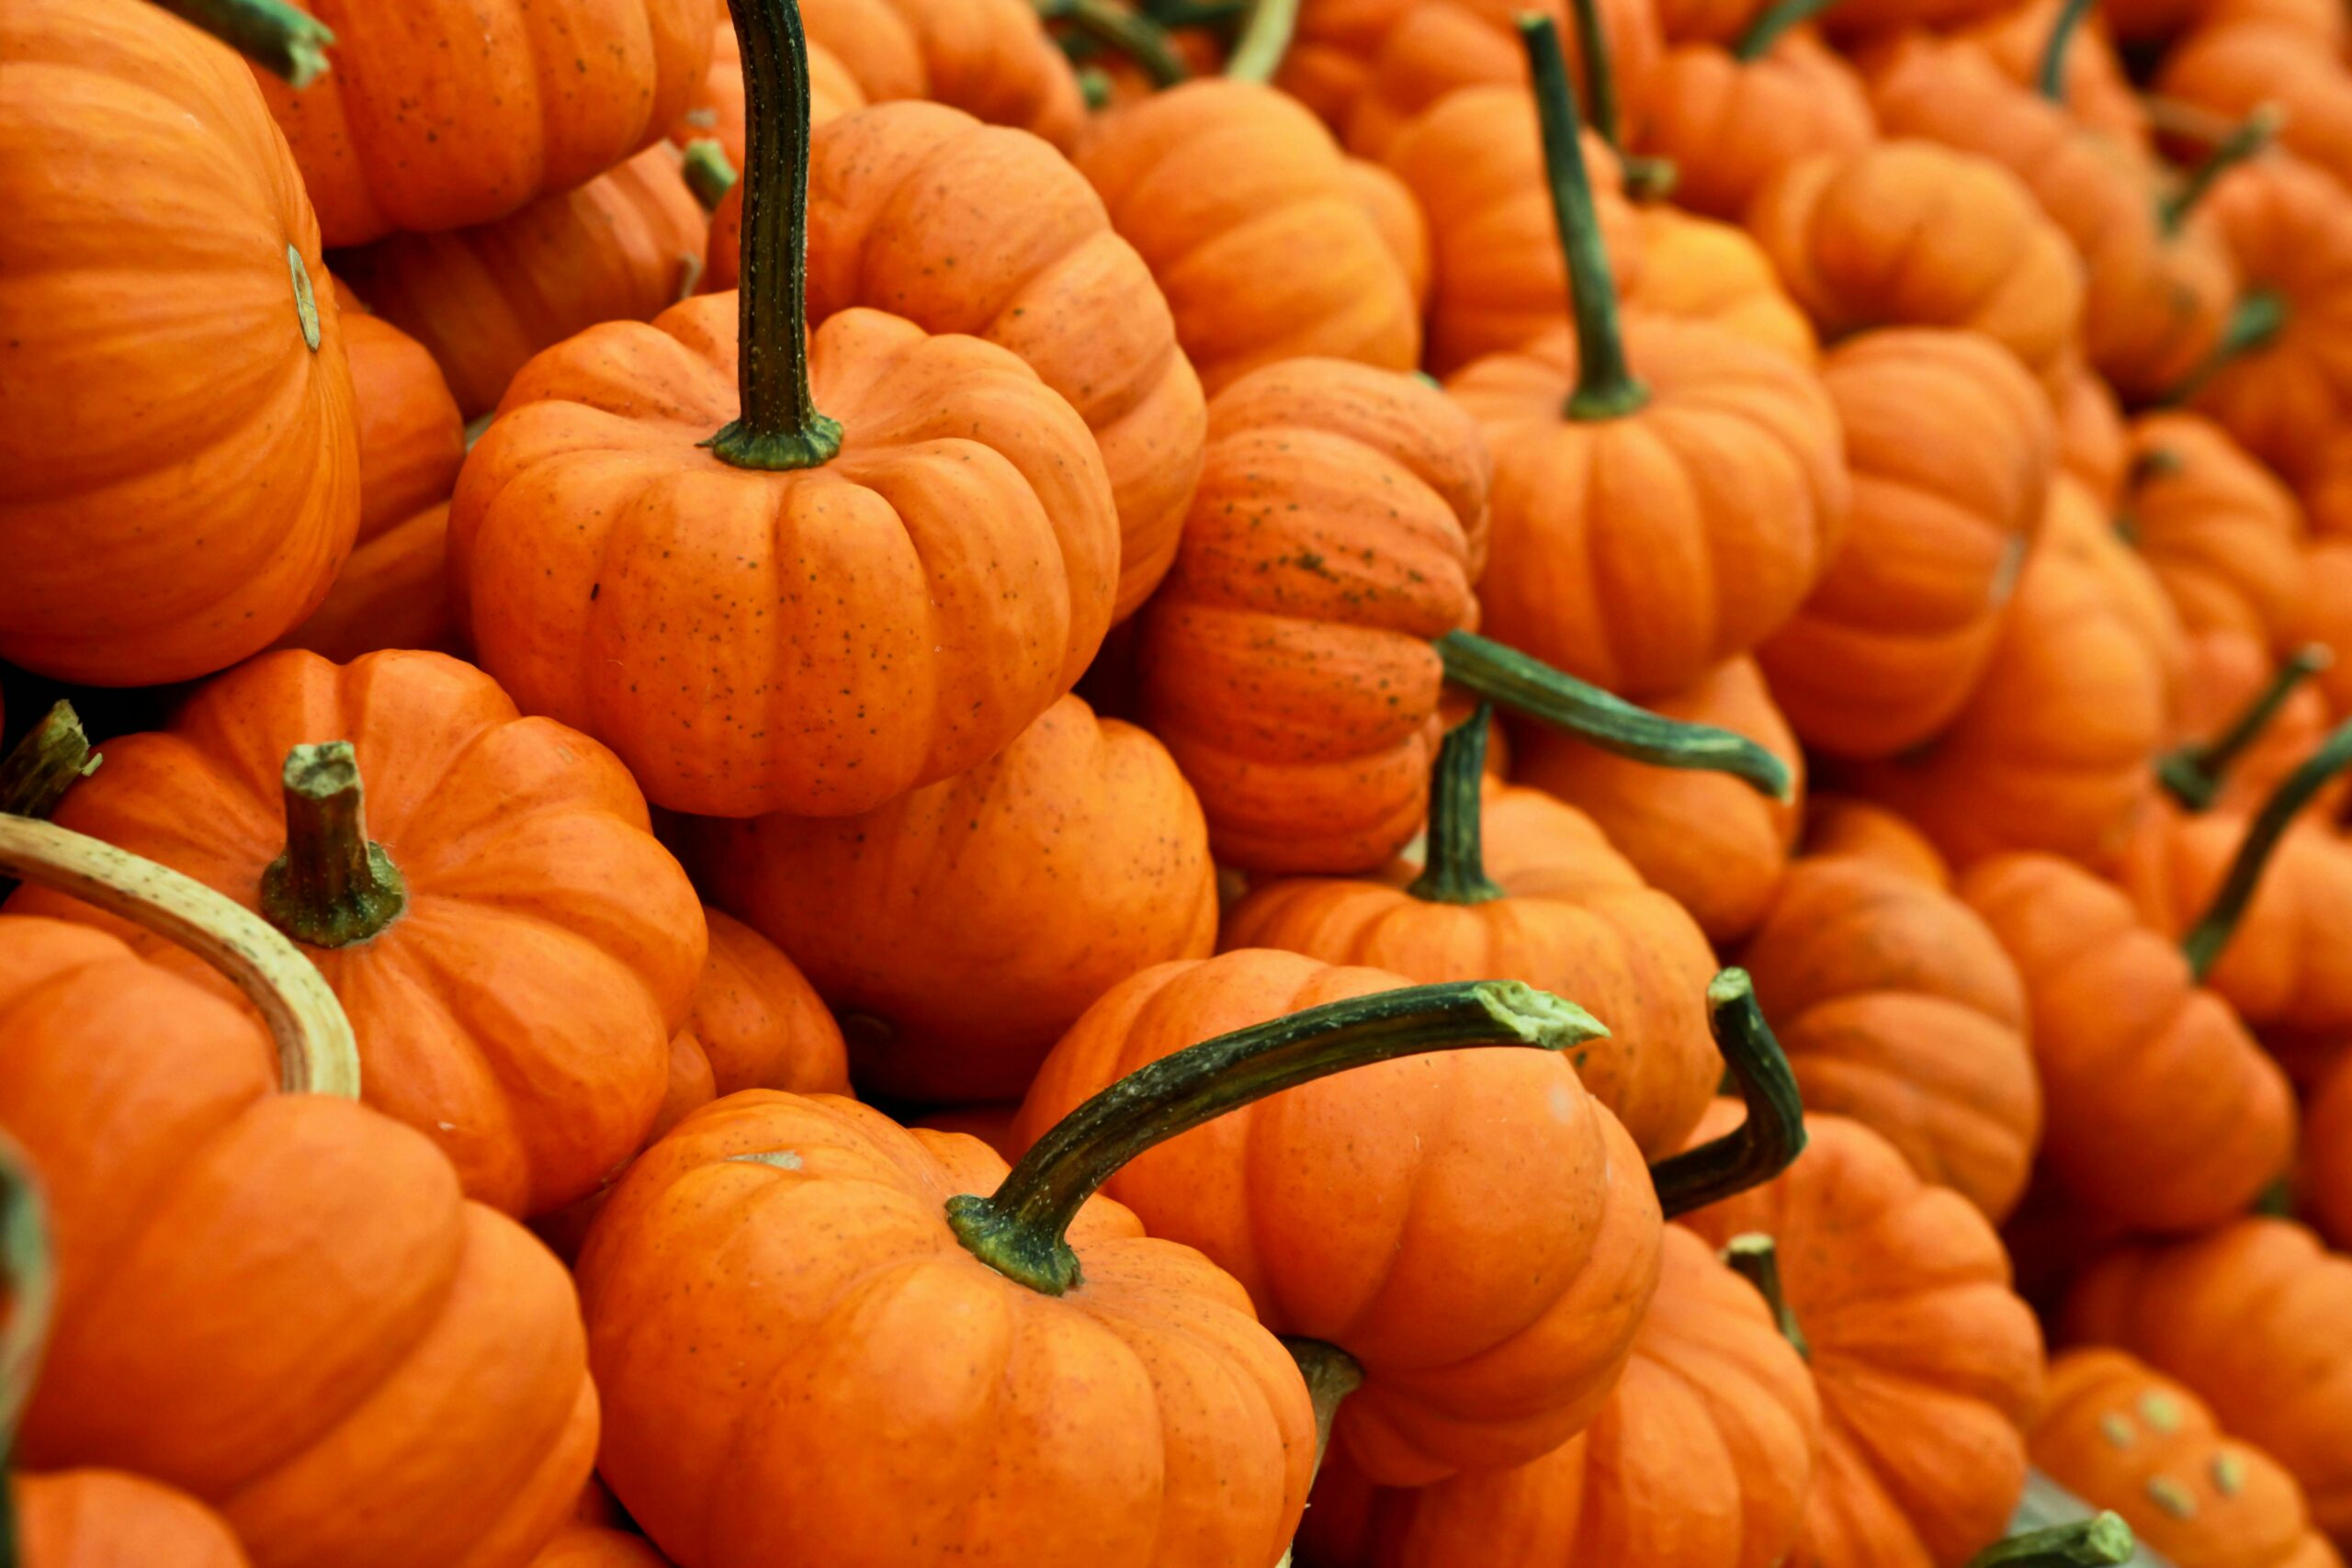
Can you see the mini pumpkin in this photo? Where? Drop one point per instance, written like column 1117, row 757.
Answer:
column 992, row 59
column 2325, row 1187
column 107, row 1518
column 2067, row 53
column 2246, row 721
column 2223, row 535
column 2091, row 433
column 1729, row 118
column 1702, row 270
column 588, row 1546
column 2323, row 616
column 2235, row 66
column 1842, row 825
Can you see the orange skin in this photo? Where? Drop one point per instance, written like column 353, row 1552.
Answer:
column 1864, row 19
column 1404, row 228
column 2328, row 490
column 774, row 1414
column 2159, row 21
column 519, row 1011
column 961, row 929
column 2324, row 615
column 2163, row 1113
column 1910, row 233
column 989, row 58
column 406, row 132
column 586, row 1546
column 1840, row 825
column 2325, row 1188
column 1728, row 124
column 1577, row 920
column 2226, row 671
column 185, row 484
column 965, row 538
column 2250, row 1318
column 1332, row 47
column 1474, row 1229
column 716, row 110
column 1473, row 164
column 1893, row 639
column 1898, row 1009
column 1708, row 21
column 1714, row 1411
column 1269, row 254
column 2120, row 1435
column 261, row 1295
column 2097, row 91
column 1702, row 270
column 1927, row 1365
column 2224, row 536
column 104, row 1518
column 1636, row 551
column 1710, row 841
column 1285, row 662
column 2233, row 66
column 2090, row 433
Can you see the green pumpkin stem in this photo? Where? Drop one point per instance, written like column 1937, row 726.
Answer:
column 1776, row 24
column 2211, row 935
column 1606, row 387
column 709, row 173
column 316, row 1052
column 1331, row 1375
column 2051, row 78
column 1136, row 38
column 2261, row 314
column 2195, row 773
column 1513, row 680
column 1755, row 1258
column 1453, row 868
column 778, row 426
column 2098, row 1542
column 1020, row 1229
column 28, row 1279
column 2249, row 137
column 270, row 33
column 53, row 756
column 1265, row 38
column 1773, row 1135
column 333, row 885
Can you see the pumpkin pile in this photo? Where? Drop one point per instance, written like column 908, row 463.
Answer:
column 1179, row 783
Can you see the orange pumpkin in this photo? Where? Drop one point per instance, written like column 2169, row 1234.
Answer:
column 716, row 111
column 178, row 472
column 587, row 1546
column 2091, row 433
column 989, row 58
column 1841, row 825
column 1729, row 119
column 2244, row 722
column 2323, row 616
column 2325, row 1187
column 2091, row 85
column 515, row 948
column 2224, row 536
column 961, row 929
column 1703, row 270
column 104, row 1518
column 2234, row 67
column 758, row 1021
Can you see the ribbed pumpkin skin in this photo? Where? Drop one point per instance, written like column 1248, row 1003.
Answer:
column 519, row 1012
column 2096, row 89
column 2090, row 433
column 2120, row 1436
column 1578, row 920
column 485, row 299
column 961, row 929
column 761, row 1417
column 1840, row 825
column 262, row 1295
column 2162, row 1111
column 2233, row 67
column 1285, row 662
column 1698, row 269
column 1728, row 124
column 989, row 58
column 716, row 110
column 2224, row 537
column 1240, row 204
column 1886, row 650
column 1700, row 1458
column 2324, row 615
column 1898, row 1009
column 759, row 1022
column 2250, row 1318
column 178, row 467
column 1928, row 1364
column 104, row 1518
column 1471, row 1226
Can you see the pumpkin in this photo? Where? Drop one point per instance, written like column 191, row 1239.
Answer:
column 2328, row 490
column 960, row 536
column 513, row 946
column 179, row 471
column 989, row 58
column 2323, row 616
column 1708, row 21
column 1285, row 662
column 1840, row 825
column 1898, row 1009
column 1396, row 214
column 1270, row 255
column 2162, row 21
column 587, row 1546
column 961, row 929
column 1912, row 233
column 1703, row 270
column 407, row 132
column 716, row 111
column 2250, row 1318
column 2245, row 723
column 261, row 1294
column 104, row 1518
column 1886, row 651
column 1926, row 1363
column 2122, row 1436
column 2233, row 67
column 1703, row 1456
column 2162, row 1112
column 2224, row 536
column 1078, row 1391
column 1717, row 847
column 1561, row 910
column 2066, row 55
column 2325, row 1187
column 1640, row 465
column 2091, row 444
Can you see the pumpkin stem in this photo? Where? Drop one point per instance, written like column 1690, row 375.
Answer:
column 709, row 173
column 1265, row 38
column 2211, row 933
column 2195, row 773
column 1606, row 388
column 1765, row 1144
column 1136, row 38
column 1331, row 1375
column 315, row 1050
column 2098, row 1542
column 1755, row 1258
column 29, row 1279
column 333, row 885
column 2249, row 137
column 1775, row 24
column 1646, row 179
column 270, row 33
column 1529, row 686
column 1453, row 869
column 2052, row 76
column 2260, row 316
column 1019, row 1229
column 778, row 426
column 53, row 756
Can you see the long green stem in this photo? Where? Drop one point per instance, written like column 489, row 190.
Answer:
column 1775, row 24
column 2099, row 1542
column 1600, row 73
column 1755, row 1258
column 2052, row 76
column 1265, row 38
column 1138, row 38
column 1020, row 1230
column 1453, row 869
column 29, row 1279
column 272, row 34
column 333, row 885
column 2211, row 935
column 1766, row 1143
column 708, row 173
column 777, row 425
column 1509, row 678
column 53, row 756
column 1606, row 387
column 2256, row 131
column 2195, row 773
